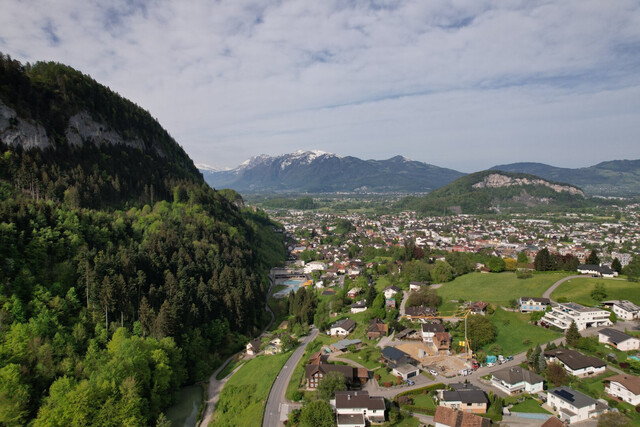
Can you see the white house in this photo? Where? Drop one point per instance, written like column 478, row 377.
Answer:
column 597, row 270
column 314, row 266
column 529, row 304
column 416, row 286
column 390, row 291
column 517, row 380
column 619, row 340
column 625, row 387
column 355, row 403
column 342, row 328
column 405, row 371
column 584, row 317
column 573, row 406
column 359, row 306
column 623, row 309
column 575, row 362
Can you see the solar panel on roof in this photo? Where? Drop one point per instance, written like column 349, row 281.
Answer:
column 565, row 395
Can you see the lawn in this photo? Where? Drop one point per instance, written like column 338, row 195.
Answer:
column 368, row 357
column 497, row 288
column 243, row 398
column 579, row 290
column 530, row 406
column 513, row 331
column 423, row 401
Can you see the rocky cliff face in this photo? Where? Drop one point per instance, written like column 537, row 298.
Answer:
column 15, row 131
column 496, row 180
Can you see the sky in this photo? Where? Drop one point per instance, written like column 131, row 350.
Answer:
column 465, row 84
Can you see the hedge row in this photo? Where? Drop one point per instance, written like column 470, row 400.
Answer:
column 422, row 389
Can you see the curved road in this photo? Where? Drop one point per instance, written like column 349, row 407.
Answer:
column 276, row 398
column 550, row 289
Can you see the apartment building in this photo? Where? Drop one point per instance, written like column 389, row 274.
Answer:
column 584, row 317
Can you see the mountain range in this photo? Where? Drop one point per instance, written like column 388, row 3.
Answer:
column 317, row 172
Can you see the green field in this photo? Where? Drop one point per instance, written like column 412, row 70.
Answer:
column 243, row 398
column 579, row 290
column 514, row 328
column 367, row 357
column 530, row 406
column 497, row 288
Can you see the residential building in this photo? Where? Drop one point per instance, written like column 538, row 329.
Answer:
column 377, row 328
column 355, row 403
column 624, row 387
column 405, row 371
column 353, row 292
column 573, row 406
column 619, row 340
column 529, row 304
column 394, row 357
column 575, row 362
column 597, row 270
column 390, row 303
column 359, row 306
column 342, row 327
column 584, row 317
column 314, row 266
column 437, row 335
column 343, row 345
column 449, row 417
column 253, row 347
column 416, row 286
column 516, row 380
column 623, row 309
column 420, row 313
column 315, row 372
column 478, row 307
column 390, row 291
column 471, row 400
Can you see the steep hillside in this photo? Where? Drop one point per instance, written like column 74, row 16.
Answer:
column 317, row 171
column 105, row 311
column 494, row 191
column 91, row 145
column 613, row 178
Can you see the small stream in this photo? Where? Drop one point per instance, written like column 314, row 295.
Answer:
column 185, row 412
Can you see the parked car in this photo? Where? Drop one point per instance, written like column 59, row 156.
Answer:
column 475, row 364
column 490, row 364
column 410, row 382
column 509, row 358
column 433, row 372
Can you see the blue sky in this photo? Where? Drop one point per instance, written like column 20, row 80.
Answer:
column 463, row 84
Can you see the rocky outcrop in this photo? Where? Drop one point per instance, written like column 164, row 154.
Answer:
column 16, row 131
column 83, row 128
column 496, row 180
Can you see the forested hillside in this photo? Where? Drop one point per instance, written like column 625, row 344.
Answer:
column 122, row 274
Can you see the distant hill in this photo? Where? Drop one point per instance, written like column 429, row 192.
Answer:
column 613, row 178
column 495, row 191
column 317, row 172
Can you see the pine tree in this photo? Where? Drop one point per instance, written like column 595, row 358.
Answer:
column 542, row 364
column 573, row 335
column 616, row 265
column 593, row 258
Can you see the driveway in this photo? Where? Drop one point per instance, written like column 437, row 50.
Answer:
column 550, row 289
column 274, row 415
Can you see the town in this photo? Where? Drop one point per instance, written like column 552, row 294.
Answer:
column 459, row 320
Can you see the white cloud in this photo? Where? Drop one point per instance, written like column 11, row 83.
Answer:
column 464, row 84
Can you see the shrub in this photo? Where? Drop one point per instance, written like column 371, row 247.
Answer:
column 387, row 384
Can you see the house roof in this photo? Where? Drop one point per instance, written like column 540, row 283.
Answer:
column 516, row 375
column 615, row 336
column 358, row 399
column 478, row 305
column 433, row 327
column 404, row 333
column 343, row 344
column 453, row 418
column 553, row 422
column 463, row 386
column 420, row 311
column 406, row 368
column 575, row 398
column 625, row 305
column 393, row 354
column 574, row 359
column 536, row 299
column 346, row 324
column 392, row 288
column 325, row 368
column 255, row 344
column 630, row 382
column 466, row 396
column 350, row 419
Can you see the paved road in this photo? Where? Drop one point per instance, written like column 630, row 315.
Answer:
column 549, row 291
column 272, row 412
column 405, row 297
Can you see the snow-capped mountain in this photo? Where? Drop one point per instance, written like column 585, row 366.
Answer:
column 317, row 171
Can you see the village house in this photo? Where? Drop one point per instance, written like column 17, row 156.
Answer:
column 584, row 317
column 623, row 309
column 390, row 303
column 436, row 335
column 420, row 313
column 416, row 286
column 315, row 372
column 343, row 345
column 478, row 307
column 575, row 362
column 342, row 327
column 529, row 304
column 449, row 417
column 377, row 328
column 465, row 397
column 624, row 387
column 619, row 340
column 359, row 306
column 393, row 357
column 573, row 406
column 405, row 371
column 253, row 347
column 516, row 380
column 390, row 291
column 357, row 408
